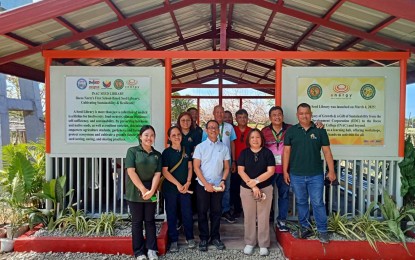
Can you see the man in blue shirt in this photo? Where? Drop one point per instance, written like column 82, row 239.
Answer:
column 211, row 165
column 226, row 135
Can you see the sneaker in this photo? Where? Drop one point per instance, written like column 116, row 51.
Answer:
column 173, row 247
column 203, row 245
column 191, row 243
column 219, row 244
column 263, row 251
column 179, row 226
column 152, row 255
column 303, row 233
column 282, row 226
column 228, row 217
column 141, row 257
column 323, row 237
column 248, row 250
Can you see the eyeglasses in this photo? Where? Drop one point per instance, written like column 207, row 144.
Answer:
column 242, row 138
column 212, row 128
column 255, row 157
column 185, row 120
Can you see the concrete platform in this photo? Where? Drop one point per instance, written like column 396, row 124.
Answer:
column 232, row 235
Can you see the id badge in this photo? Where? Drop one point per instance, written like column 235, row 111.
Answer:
column 278, row 160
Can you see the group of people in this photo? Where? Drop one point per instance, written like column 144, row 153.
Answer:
column 228, row 165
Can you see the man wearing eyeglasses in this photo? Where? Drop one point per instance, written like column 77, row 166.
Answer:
column 211, row 165
column 226, row 135
column 241, row 131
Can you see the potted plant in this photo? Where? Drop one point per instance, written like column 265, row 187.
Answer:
column 407, row 168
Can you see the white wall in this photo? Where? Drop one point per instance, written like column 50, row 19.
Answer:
column 58, row 107
column 392, row 89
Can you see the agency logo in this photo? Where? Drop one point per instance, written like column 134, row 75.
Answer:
column 132, row 82
column 82, row 83
column 314, row 91
column 341, row 88
column 368, row 91
column 118, row 84
column 106, row 83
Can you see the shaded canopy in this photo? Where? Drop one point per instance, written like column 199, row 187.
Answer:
column 274, row 25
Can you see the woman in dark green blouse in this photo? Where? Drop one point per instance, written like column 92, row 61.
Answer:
column 143, row 165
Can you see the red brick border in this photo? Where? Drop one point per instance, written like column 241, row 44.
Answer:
column 312, row 249
column 104, row 245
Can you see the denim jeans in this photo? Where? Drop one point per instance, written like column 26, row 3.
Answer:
column 226, row 200
column 283, row 195
column 312, row 187
column 185, row 206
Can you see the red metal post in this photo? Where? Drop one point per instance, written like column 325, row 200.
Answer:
column 402, row 104
column 167, row 73
column 278, row 82
column 48, row 62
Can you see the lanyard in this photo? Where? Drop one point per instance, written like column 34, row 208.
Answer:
column 278, row 137
column 221, row 132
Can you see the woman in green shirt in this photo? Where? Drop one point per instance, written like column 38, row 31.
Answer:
column 143, row 165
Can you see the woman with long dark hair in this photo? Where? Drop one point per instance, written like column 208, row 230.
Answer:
column 143, row 165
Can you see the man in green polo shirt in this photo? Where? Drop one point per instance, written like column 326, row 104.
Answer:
column 303, row 168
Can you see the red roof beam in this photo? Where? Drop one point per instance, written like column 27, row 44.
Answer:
column 94, row 31
column 223, row 27
column 190, row 85
column 374, row 30
column 38, row 12
column 20, row 39
column 264, row 32
column 327, row 16
column 22, row 71
column 336, row 26
column 179, row 32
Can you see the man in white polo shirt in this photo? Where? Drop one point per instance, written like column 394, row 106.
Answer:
column 227, row 136
column 211, row 165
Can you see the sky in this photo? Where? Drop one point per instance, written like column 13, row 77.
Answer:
column 410, row 100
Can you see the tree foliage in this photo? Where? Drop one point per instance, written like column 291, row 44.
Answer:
column 179, row 105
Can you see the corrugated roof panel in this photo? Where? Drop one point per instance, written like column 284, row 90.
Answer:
column 43, row 32
column 78, row 45
column 401, row 30
column 119, row 38
column 314, row 7
column 253, row 26
column 325, row 39
column 147, row 63
column 358, row 16
column 35, row 61
column 91, row 17
column 200, row 45
column 188, row 78
column 370, row 46
column 241, row 45
column 96, row 62
column 194, row 19
column 240, row 64
column 8, row 46
column 250, row 78
column 285, row 30
column 130, row 8
column 205, row 73
column 158, row 31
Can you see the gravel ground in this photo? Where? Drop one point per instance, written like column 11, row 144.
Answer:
column 190, row 254
column 125, row 230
